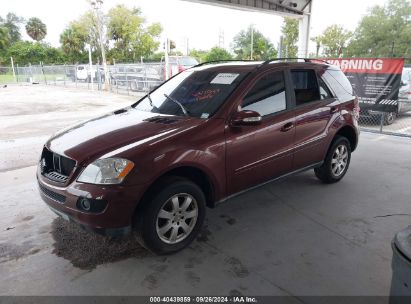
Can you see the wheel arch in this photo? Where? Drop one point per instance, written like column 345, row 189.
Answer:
column 193, row 173
column 349, row 133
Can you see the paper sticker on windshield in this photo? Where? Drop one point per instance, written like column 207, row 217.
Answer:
column 205, row 115
column 224, row 78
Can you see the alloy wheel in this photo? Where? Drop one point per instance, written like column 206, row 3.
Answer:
column 177, row 218
column 339, row 160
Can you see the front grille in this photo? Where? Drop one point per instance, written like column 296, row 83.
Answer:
column 53, row 195
column 57, row 177
column 56, row 167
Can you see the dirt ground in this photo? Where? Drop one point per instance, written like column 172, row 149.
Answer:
column 30, row 114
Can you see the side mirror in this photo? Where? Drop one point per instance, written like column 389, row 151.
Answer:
column 246, row 118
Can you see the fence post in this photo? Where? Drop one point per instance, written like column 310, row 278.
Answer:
column 382, row 121
column 117, row 79
column 128, row 84
column 65, row 74
column 44, row 75
column 12, row 66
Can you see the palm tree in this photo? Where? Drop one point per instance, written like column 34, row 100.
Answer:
column 72, row 43
column 36, row 29
column 4, row 37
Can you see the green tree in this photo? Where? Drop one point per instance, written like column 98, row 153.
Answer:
column 217, row 53
column 72, row 42
column 79, row 33
column 132, row 38
column 263, row 49
column 12, row 23
column 384, row 31
column 4, row 38
column 334, row 40
column 290, row 37
column 200, row 55
column 25, row 52
column 36, row 29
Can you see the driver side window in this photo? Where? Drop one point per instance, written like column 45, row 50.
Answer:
column 267, row 96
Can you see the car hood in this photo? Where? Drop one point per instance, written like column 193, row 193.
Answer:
column 119, row 130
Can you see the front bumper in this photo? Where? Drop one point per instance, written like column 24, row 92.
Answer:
column 114, row 220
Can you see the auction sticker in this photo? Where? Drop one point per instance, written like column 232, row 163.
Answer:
column 224, row 78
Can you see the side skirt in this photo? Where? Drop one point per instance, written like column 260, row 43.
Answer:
column 316, row 165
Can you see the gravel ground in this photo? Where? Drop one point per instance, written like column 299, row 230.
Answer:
column 87, row 250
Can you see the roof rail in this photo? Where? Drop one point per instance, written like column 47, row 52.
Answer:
column 296, row 58
column 264, row 63
column 222, row 61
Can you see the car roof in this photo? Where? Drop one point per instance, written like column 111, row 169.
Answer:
column 248, row 66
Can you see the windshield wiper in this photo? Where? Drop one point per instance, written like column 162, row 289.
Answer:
column 151, row 101
column 185, row 111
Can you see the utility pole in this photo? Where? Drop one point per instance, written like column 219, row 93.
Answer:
column 90, row 61
column 280, row 47
column 252, row 41
column 392, row 48
column 166, row 66
column 12, row 67
column 97, row 4
column 221, row 43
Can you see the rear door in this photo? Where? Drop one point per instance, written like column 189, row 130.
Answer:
column 315, row 109
column 261, row 152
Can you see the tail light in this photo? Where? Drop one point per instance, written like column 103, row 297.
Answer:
column 181, row 68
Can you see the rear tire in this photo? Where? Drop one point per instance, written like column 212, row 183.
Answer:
column 389, row 118
column 336, row 162
column 172, row 216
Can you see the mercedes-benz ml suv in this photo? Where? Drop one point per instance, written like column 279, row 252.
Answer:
column 204, row 136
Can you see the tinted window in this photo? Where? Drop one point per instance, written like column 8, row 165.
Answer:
column 267, row 96
column 200, row 92
column 339, row 83
column 305, row 86
column 325, row 92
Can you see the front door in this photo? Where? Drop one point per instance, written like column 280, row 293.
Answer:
column 261, row 152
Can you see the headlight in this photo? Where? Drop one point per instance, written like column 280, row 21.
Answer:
column 106, row 171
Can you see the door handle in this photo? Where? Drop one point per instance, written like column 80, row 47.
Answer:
column 287, row 127
column 333, row 110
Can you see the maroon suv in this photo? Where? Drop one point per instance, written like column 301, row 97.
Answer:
column 204, row 136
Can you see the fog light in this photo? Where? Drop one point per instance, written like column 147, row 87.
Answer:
column 85, row 204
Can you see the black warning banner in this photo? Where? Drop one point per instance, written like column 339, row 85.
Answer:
column 376, row 81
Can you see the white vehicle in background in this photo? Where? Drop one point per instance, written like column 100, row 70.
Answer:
column 404, row 99
column 178, row 64
column 83, row 73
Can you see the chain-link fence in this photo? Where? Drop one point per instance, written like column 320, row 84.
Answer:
column 122, row 79
column 134, row 79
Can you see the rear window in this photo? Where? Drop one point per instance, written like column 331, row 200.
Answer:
column 340, row 84
column 305, row 86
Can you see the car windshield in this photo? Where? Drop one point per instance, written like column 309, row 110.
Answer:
column 200, row 93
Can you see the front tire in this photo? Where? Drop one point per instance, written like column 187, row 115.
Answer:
column 336, row 162
column 172, row 216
